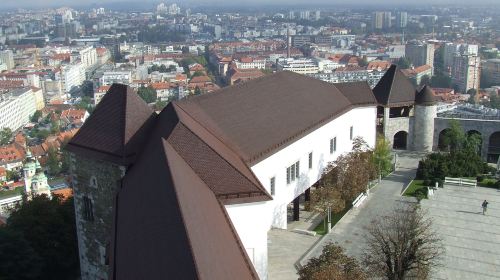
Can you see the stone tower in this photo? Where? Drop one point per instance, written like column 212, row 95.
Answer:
column 425, row 112
column 101, row 153
column 35, row 181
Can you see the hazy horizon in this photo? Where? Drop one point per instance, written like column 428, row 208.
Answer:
column 12, row 4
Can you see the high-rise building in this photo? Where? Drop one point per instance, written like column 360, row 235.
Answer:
column 387, row 20
column 420, row 54
column 402, row 20
column 305, row 15
column 7, row 57
column 378, row 20
column 491, row 68
column 317, row 15
column 452, row 49
column 465, row 72
column 291, row 15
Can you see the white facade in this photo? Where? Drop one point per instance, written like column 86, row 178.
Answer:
column 301, row 66
column 72, row 75
column 259, row 64
column 465, row 72
column 122, row 77
column 16, row 108
column 88, row 57
column 7, row 57
column 253, row 221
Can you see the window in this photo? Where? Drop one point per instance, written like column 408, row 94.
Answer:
column 88, row 209
column 272, row 183
column 333, row 145
column 292, row 172
column 310, row 160
column 351, row 133
column 93, row 182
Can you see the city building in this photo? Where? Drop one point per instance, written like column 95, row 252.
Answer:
column 72, row 76
column 301, row 66
column 7, row 58
column 16, row 108
column 451, row 50
column 121, row 77
column 378, row 20
column 387, row 20
column 491, row 69
column 420, row 54
column 402, row 20
column 466, row 72
column 417, row 73
column 35, row 181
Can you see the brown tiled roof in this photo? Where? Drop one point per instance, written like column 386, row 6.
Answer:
column 358, row 93
column 266, row 114
column 117, row 129
column 394, row 89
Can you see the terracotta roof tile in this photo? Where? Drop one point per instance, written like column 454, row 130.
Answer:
column 394, row 89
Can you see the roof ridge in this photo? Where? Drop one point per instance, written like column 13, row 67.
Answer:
column 124, row 119
column 392, row 83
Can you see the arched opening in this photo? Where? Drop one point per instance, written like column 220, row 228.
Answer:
column 442, row 145
column 494, row 147
column 400, row 140
column 479, row 138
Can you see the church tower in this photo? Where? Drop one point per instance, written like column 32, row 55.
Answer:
column 35, row 181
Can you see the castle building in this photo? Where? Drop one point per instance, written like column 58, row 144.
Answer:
column 35, row 181
column 192, row 192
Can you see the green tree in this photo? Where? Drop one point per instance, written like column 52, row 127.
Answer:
column 148, row 94
column 48, row 225
column 36, row 116
column 53, row 162
column 441, row 81
column 197, row 90
column 85, row 104
column 382, row 158
column 87, row 88
column 472, row 92
column 197, row 74
column 55, row 127
column 5, row 136
column 425, row 81
column 13, row 175
column 18, row 260
column 403, row 63
column 495, row 101
column 332, row 264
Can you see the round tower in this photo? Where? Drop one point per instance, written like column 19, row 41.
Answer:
column 425, row 113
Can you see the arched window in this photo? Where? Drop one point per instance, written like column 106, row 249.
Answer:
column 93, row 182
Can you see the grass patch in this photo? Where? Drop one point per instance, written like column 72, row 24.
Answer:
column 416, row 189
column 6, row 194
column 322, row 227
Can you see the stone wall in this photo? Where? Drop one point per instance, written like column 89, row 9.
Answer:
column 394, row 125
column 98, row 181
column 424, row 128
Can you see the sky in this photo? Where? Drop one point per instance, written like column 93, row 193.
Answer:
column 395, row 3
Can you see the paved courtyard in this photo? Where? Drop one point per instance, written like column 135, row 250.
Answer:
column 471, row 240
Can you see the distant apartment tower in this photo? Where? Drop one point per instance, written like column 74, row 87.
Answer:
column 452, row 49
column 491, row 68
column 291, row 15
column 305, row 15
column 378, row 20
column 402, row 20
column 7, row 58
column 465, row 72
column 317, row 15
column 420, row 54
column 387, row 20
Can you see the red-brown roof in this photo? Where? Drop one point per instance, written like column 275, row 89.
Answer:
column 394, row 89
column 116, row 129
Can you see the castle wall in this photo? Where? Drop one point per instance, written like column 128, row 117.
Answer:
column 394, row 125
column 98, row 181
column 485, row 127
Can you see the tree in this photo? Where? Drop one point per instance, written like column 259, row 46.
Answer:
column 344, row 179
column 332, row 264
column 402, row 245
column 148, row 94
column 5, row 136
column 36, row 116
column 53, row 162
column 13, row 175
column 382, row 158
column 197, row 90
column 441, row 81
column 403, row 63
column 472, row 92
column 85, row 104
column 425, row 81
column 18, row 260
column 87, row 88
column 197, row 74
column 48, row 225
